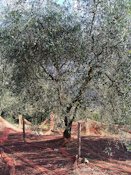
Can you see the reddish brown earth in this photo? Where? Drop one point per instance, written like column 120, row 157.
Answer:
column 44, row 155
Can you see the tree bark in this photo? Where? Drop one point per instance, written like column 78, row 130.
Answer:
column 68, row 125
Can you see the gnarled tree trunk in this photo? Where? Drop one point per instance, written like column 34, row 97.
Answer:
column 68, row 121
column 68, row 127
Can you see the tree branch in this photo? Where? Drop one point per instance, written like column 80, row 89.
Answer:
column 114, row 83
column 81, row 90
column 51, row 76
column 94, row 16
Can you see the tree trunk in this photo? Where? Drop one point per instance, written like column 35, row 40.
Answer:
column 68, row 127
column 68, row 123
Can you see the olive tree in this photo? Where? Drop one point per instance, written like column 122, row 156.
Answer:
column 65, row 59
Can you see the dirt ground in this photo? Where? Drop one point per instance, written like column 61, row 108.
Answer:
column 46, row 155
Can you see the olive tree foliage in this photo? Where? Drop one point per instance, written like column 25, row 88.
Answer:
column 7, row 101
column 41, row 45
column 65, row 59
column 109, row 34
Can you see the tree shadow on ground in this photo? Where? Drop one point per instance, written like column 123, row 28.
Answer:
column 44, row 151
column 99, row 148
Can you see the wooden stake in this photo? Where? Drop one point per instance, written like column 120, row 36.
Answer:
column 23, row 121
column 20, row 121
column 79, row 140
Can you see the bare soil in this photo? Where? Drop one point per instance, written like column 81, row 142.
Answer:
column 46, row 155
